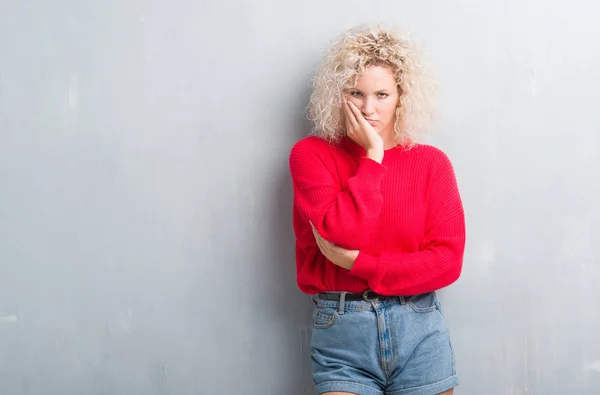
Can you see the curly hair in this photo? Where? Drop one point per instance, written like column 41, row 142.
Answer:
column 348, row 56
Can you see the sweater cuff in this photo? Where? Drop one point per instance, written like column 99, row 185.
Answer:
column 365, row 266
column 370, row 171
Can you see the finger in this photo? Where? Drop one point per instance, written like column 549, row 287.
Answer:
column 321, row 243
column 313, row 228
column 318, row 238
column 336, row 248
column 349, row 128
column 326, row 242
column 351, row 124
column 350, row 114
column 360, row 119
column 355, row 111
column 315, row 232
column 328, row 248
column 318, row 235
column 321, row 246
column 331, row 248
column 318, row 242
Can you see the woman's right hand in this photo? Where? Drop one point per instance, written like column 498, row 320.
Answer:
column 362, row 133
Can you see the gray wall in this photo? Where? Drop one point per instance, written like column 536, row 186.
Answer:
column 146, row 244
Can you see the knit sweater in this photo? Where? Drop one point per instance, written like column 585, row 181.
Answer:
column 405, row 216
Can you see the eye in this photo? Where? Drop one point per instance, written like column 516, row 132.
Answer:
column 355, row 93
column 382, row 95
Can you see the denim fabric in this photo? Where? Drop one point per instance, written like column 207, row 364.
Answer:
column 397, row 346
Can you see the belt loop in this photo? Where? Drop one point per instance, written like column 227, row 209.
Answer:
column 402, row 300
column 342, row 302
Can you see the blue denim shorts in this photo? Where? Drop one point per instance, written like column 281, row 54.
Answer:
column 397, row 346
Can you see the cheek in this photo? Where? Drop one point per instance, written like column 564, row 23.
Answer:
column 355, row 101
column 390, row 112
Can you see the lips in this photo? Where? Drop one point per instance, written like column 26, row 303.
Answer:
column 372, row 122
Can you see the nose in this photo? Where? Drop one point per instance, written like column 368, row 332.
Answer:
column 368, row 108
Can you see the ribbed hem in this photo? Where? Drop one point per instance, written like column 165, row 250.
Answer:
column 365, row 266
column 370, row 171
column 346, row 386
column 430, row 389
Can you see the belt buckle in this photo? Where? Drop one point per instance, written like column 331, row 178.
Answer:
column 366, row 297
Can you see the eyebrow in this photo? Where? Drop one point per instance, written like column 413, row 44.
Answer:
column 379, row 91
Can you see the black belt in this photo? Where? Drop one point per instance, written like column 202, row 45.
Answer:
column 365, row 296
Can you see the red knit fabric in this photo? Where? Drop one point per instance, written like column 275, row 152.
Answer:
column 405, row 216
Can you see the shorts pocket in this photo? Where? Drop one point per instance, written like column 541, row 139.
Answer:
column 423, row 303
column 324, row 317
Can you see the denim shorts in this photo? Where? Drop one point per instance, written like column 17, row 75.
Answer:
column 399, row 346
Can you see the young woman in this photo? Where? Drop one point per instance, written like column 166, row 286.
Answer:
column 379, row 222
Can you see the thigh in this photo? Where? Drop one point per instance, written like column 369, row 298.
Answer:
column 421, row 341
column 344, row 352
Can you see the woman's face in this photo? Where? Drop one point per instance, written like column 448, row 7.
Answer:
column 376, row 96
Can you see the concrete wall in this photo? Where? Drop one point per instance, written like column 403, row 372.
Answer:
column 146, row 244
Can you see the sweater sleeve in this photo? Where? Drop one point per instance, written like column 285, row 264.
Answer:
column 344, row 216
column 438, row 262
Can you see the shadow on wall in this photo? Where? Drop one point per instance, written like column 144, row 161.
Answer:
column 293, row 306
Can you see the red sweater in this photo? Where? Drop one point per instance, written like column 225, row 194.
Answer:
column 405, row 216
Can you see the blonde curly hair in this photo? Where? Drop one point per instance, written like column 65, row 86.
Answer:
column 348, row 56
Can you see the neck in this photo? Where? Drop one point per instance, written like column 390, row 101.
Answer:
column 389, row 139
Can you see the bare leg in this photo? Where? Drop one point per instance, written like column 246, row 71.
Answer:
column 449, row 392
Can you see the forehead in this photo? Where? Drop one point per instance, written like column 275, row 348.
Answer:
column 376, row 77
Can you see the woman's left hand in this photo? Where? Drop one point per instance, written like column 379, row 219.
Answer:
column 336, row 254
